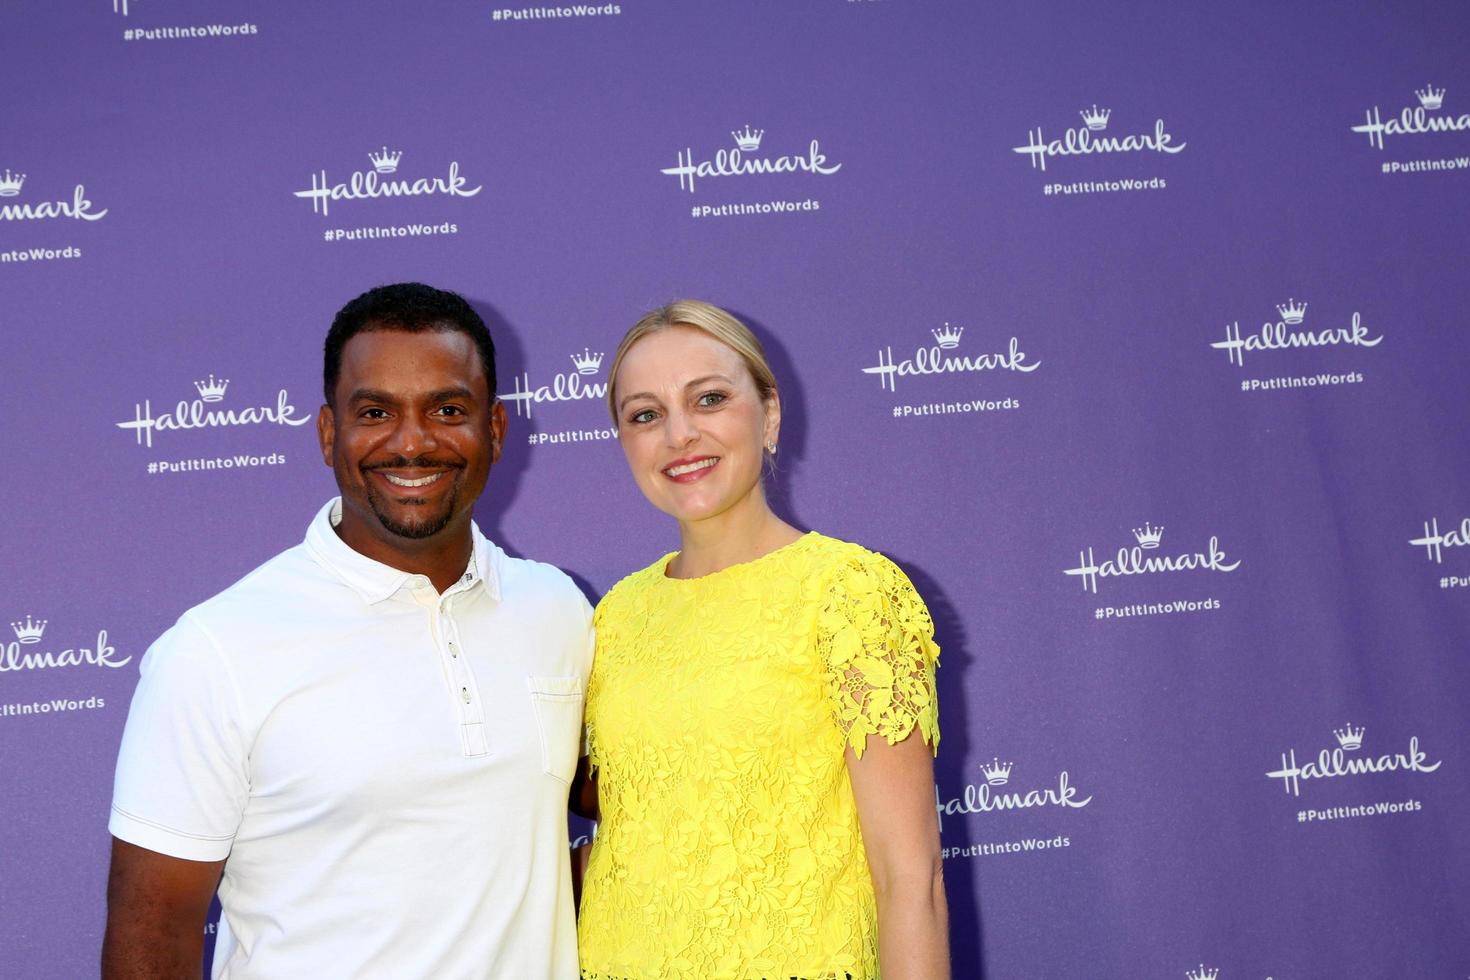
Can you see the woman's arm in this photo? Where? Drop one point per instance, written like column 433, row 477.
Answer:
column 582, row 800
column 894, row 789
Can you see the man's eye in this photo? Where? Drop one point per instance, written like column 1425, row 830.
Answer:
column 373, row 413
column 451, row 410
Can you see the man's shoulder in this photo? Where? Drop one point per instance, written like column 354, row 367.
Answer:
column 288, row 579
column 526, row 578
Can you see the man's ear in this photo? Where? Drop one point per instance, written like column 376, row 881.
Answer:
column 498, row 424
column 326, row 432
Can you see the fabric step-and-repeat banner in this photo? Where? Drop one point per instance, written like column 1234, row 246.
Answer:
column 1136, row 333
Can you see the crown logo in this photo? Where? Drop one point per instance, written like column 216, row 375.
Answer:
column 1096, row 118
column 949, row 337
column 10, row 184
column 1430, row 97
column 749, row 140
column 1148, row 536
column 997, row 773
column 587, row 362
column 1203, row 973
column 29, row 631
column 1291, row 311
column 385, row 161
column 212, row 390
column 1350, row 738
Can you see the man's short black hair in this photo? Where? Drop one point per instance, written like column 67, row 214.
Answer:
column 411, row 307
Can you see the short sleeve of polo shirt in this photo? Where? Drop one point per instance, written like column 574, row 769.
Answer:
column 182, row 779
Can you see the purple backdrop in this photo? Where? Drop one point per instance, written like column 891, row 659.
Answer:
column 1136, row 336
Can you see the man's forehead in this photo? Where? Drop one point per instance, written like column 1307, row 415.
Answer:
column 399, row 347
column 420, row 358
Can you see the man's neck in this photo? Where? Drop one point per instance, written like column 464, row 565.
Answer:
column 442, row 559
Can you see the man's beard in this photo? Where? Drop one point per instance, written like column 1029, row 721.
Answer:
column 418, row 527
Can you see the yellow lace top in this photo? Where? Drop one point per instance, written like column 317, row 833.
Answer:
column 718, row 712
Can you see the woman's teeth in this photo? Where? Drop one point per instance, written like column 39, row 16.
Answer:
column 703, row 464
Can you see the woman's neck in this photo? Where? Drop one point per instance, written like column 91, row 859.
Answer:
column 739, row 535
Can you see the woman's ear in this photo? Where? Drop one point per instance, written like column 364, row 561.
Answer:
column 772, row 434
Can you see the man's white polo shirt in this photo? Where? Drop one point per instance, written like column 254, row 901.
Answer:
column 383, row 769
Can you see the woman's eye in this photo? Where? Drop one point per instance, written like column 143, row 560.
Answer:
column 639, row 418
column 711, row 398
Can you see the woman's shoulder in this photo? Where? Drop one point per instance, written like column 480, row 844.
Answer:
column 635, row 583
column 837, row 557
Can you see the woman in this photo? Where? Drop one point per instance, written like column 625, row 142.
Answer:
column 750, row 826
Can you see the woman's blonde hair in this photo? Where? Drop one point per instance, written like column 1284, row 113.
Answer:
column 701, row 316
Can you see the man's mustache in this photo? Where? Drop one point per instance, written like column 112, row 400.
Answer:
column 417, row 462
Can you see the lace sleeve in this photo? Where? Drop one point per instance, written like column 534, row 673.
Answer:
column 876, row 641
column 602, row 631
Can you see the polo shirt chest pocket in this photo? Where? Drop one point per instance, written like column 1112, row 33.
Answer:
column 558, row 705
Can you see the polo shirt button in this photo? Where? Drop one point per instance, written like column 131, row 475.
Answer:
column 453, row 650
column 464, row 692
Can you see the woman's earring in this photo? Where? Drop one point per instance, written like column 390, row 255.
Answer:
column 771, row 447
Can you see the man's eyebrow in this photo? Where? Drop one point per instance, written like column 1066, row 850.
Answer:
column 692, row 384
column 372, row 395
column 452, row 393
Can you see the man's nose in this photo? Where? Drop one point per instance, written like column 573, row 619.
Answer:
column 413, row 435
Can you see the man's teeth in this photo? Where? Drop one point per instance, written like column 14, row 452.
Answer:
column 422, row 481
column 703, row 464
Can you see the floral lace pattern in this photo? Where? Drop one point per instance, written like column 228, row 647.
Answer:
column 719, row 712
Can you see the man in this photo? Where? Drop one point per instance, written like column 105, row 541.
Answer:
column 366, row 743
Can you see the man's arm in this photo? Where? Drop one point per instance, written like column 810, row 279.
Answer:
column 156, row 911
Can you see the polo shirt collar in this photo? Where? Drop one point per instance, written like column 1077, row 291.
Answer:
column 375, row 581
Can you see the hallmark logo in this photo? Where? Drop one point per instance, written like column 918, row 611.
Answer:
column 1350, row 739
column 212, row 390
column 1333, row 763
column 367, row 185
column 728, row 162
column 984, row 797
column 193, row 413
column 1277, row 335
column 1082, row 140
column 564, row 387
column 29, row 631
column 748, row 140
column 78, row 207
column 1148, row 536
column 931, row 359
column 587, row 362
column 1202, row 973
column 19, row 653
column 1434, row 543
column 1132, row 561
column 1095, row 118
column 385, row 161
column 1430, row 98
column 1413, row 120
